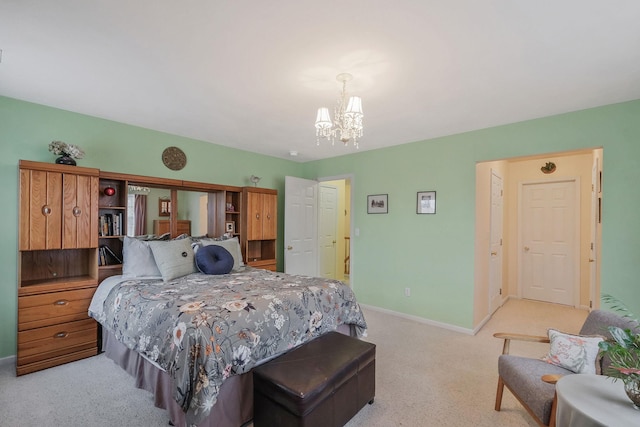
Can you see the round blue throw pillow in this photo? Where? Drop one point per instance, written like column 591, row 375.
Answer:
column 214, row 259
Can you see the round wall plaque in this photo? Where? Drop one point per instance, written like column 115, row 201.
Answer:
column 174, row 158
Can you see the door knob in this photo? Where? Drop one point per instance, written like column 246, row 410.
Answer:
column 526, row 248
column 494, row 253
column 289, row 248
column 592, row 260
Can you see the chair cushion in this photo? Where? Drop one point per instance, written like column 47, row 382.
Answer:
column 522, row 375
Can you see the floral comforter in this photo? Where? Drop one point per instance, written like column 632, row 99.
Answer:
column 202, row 329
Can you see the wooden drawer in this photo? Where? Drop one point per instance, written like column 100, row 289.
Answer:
column 36, row 311
column 265, row 264
column 54, row 341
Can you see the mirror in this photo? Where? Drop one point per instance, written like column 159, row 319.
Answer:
column 149, row 211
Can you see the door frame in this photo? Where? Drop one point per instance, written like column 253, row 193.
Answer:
column 352, row 229
column 494, row 172
column 576, row 241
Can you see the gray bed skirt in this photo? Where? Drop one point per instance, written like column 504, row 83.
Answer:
column 234, row 407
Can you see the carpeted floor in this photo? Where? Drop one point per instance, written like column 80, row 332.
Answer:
column 425, row 376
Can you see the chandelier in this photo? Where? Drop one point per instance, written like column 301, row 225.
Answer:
column 347, row 121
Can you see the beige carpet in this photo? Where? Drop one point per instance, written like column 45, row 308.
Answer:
column 426, row 376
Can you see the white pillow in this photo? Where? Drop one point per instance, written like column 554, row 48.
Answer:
column 138, row 260
column 232, row 245
column 577, row 353
column 174, row 258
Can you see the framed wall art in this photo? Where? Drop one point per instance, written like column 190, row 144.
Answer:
column 164, row 207
column 230, row 227
column 426, row 203
column 378, row 204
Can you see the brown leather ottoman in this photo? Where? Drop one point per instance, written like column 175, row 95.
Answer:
column 322, row 383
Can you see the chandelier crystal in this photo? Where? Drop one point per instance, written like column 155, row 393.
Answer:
column 347, row 121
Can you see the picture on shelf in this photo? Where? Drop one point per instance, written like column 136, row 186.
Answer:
column 164, row 207
column 230, row 227
column 378, row 204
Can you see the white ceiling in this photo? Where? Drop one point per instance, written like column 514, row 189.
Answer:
column 251, row 74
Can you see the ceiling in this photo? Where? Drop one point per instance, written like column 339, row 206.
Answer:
column 251, row 74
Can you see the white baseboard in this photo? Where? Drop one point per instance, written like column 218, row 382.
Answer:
column 421, row 320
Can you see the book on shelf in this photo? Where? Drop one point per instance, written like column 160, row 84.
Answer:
column 110, row 224
column 107, row 256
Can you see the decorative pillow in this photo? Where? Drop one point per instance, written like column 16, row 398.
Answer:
column 232, row 245
column 577, row 353
column 174, row 258
column 214, row 259
column 138, row 260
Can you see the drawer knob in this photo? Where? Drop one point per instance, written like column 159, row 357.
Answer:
column 46, row 210
column 61, row 302
column 60, row 335
column 76, row 211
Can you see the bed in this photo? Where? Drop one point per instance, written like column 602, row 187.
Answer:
column 192, row 339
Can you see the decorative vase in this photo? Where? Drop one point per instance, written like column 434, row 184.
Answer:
column 632, row 388
column 65, row 160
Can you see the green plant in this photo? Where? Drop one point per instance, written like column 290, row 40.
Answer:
column 623, row 349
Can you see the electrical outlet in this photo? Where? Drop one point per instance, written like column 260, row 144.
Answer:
column 407, row 292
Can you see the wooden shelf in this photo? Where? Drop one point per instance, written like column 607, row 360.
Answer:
column 33, row 287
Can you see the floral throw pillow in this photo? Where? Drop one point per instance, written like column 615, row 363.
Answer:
column 577, row 353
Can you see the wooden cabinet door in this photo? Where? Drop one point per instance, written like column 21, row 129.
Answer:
column 254, row 215
column 40, row 210
column 269, row 216
column 80, row 218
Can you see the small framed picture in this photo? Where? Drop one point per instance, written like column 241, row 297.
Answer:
column 230, row 227
column 164, row 207
column 426, row 203
column 378, row 204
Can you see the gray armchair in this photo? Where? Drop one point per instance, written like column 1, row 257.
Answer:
column 532, row 381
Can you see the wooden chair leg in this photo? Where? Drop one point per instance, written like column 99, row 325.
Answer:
column 499, row 393
column 554, row 406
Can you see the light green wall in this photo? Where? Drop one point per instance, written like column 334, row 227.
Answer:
column 434, row 254
column 431, row 254
column 25, row 132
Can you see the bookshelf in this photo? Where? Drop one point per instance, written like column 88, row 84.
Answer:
column 112, row 225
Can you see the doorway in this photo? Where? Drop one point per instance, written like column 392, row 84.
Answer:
column 584, row 168
column 328, row 229
column 335, row 229
column 318, row 227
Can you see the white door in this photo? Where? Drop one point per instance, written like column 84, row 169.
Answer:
column 495, row 249
column 300, row 226
column 550, row 224
column 327, row 230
